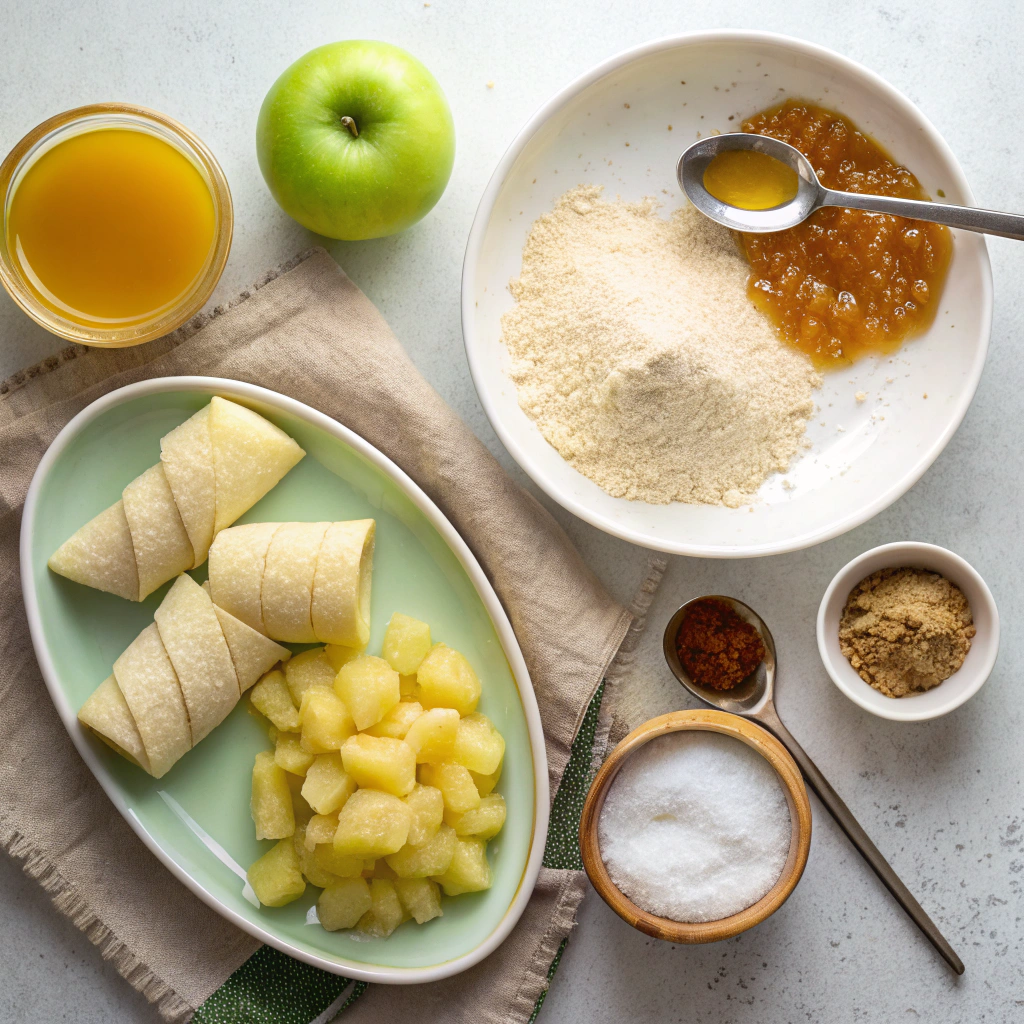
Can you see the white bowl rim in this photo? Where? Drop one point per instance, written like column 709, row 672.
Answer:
column 479, row 229
column 902, row 709
column 242, row 390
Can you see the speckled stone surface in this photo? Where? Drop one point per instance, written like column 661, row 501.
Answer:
column 942, row 799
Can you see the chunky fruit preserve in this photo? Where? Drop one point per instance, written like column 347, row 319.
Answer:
column 846, row 283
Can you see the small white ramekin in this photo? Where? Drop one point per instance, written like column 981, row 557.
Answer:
column 952, row 692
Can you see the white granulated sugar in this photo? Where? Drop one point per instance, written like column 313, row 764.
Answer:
column 695, row 827
column 643, row 362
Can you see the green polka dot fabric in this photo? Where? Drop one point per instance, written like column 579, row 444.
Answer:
column 272, row 988
column 563, row 846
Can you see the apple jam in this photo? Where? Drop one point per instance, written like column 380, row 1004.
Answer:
column 845, row 283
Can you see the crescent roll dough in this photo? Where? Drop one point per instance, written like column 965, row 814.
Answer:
column 107, row 713
column 213, row 467
column 146, row 678
column 195, row 643
column 186, row 454
column 237, row 561
column 178, row 679
column 341, row 588
column 287, row 590
column 297, row 582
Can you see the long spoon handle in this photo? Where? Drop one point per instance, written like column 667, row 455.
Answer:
column 969, row 218
column 849, row 824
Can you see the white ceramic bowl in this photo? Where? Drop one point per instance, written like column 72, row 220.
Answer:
column 955, row 690
column 864, row 455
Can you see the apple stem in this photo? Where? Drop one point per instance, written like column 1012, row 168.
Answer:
column 350, row 124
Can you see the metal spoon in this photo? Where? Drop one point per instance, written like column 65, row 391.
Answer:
column 752, row 698
column 811, row 195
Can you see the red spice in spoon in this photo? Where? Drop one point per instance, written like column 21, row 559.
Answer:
column 716, row 647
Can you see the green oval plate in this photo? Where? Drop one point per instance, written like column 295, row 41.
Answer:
column 196, row 818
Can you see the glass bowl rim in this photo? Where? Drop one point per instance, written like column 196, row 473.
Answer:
column 193, row 301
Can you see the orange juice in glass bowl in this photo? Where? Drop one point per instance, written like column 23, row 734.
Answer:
column 117, row 223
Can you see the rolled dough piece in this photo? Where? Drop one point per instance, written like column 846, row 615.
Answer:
column 162, row 548
column 106, row 712
column 341, row 588
column 237, row 560
column 250, row 455
column 191, row 633
column 253, row 654
column 288, row 581
column 187, row 457
column 214, row 466
column 100, row 555
column 147, row 679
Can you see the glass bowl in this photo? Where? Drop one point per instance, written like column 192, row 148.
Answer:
column 116, row 115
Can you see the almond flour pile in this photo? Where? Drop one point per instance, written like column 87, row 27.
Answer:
column 643, row 362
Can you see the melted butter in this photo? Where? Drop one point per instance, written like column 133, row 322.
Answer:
column 111, row 227
column 749, row 180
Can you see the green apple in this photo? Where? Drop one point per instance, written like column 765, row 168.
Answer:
column 356, row 140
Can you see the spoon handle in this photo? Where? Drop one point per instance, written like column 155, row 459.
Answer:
column 969, row 218
column 849, row 824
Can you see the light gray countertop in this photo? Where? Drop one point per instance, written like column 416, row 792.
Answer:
column 942, row 799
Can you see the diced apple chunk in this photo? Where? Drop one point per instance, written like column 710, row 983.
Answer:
column 276, row 877
column 271, row 799
column 432, row 858
column 456, row 785
column 369, row 687
column 303, row 812
column 342, row 904
column 385, row 913
column 338, row 655
column 447, row 680
column 395, row 724
column 327, row 784
column 308, row 669
column 486, row 783
column 372, row 824
column 288, row 753
column 483, row 822
column 339, row 864
column 326, row 721
column 321, row 828
column 420, row 898
column 478, row 745
column 406, row 643
column 312, row 870
column 271, row 697
column 378, row 762
column 468, row 870
column 381, row 869
column 432, row 735
column 427, row 806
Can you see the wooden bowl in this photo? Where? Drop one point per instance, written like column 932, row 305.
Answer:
column 799, row 810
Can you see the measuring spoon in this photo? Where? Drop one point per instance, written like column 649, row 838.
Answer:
column 753, row 698
column 811, row 195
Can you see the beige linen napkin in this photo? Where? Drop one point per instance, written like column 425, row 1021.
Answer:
column 308, row 332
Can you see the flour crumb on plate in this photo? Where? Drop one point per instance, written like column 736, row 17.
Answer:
column 643, row 362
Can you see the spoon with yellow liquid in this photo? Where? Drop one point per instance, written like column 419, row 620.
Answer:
column 759, row 184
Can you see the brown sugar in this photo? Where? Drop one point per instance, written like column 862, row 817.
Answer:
column 716, row 647
column 905, row 630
